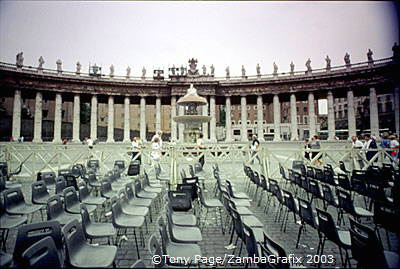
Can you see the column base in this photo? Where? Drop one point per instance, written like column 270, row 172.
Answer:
column 277, row 139
column 229, row 140
column 110, row 141
column 56, row 141
column 76, row 140
column 126, row 140
column 213, row 140
column 37, row 140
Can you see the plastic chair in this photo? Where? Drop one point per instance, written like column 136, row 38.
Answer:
column 42, row 254
column 328, row 231
column 268, row 248
column 8, row 222
column 180, row 234
column 138, row 264
column 236, row 194
column 14, row 203
column 211, row 204
column 32, row 233
column 176, row 249
column 79, row 253
column 72, row 203
column 306, row 215
column 368, row 251
column 5, row 260
column 49, row 179
column 346, row 205
column 94, row 230
column 93, row 164
column 139, row 192
column 61, row 184
column 40, row 195
column 122, row 221
column 85, row 197
column 55, row 211
column 106, row 190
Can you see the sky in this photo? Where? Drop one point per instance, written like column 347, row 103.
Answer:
column 154, row 34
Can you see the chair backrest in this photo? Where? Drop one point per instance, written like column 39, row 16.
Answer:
column 39, row 190
column 297, row 164
column 344, row 182
column 345, row 202
column 77, row 170
column 74, row 238
column 138, row 186
column 319, row 174
column 310, row 171
column 63, row 172
column 86, row 222
column 250, row 241
column 13, row 197
column 42, row 254
column 129, row 191
column 289, row 200
column 49, row 178
column 314, row 187
column 54, row 207
column 116, row 209
column 2, row 183
column 83, row 191
column 237, row 223
column 31, row 233
column 120, row 164
column 327, row 226
column 154, row 246
column 61, row 184
column 70, row 197
column 327, row 194
column 268, row 248
column 304, row 182
column 385, row 216
column 342, row 167
column 94, row 164
column 306, row 213
column 365, row 247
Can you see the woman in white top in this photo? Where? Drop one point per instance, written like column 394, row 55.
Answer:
column 156, row 149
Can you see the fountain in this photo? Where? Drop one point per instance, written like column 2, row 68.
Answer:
column 191, row 118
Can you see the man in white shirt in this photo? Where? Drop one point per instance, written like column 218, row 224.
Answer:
column 255, row 144
column 159, row 136
column 136, row 148
column 89, row 141
column 357, row 144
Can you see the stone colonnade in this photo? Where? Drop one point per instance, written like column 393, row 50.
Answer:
column 177, row 129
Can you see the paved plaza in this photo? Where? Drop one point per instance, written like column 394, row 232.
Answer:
column 215, row 243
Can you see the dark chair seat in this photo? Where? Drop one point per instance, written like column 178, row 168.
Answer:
column 135, row 210
column 24, row 209
column 140, row 202
column 183, row 250
column 94, row 200
column 186, row 234
column 241, row 202
column 76, row 209
column 147, row 195
column 65, row 217
column 392, row 259
column 152, row 189
column 243, row 211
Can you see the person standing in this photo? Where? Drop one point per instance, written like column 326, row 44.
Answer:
column 357, row 144
column 136, row 148
column 159, row 136
column 370, row 143
column 90, row 142
column 200, row 145
column 314, row 144
column 255, row 146
column 307, row 154
column 394, row 146
column 156, row 150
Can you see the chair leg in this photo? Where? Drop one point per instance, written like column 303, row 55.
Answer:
column 298, row 235
column 136, row 243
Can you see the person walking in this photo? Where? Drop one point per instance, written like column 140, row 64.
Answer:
column 314, row 145
column 200, row 145
column 90, row 142
column 255, row 146
column 307, row 154
column 135, row 146
column 156, row 150
column 370, row 143
column 357, row 144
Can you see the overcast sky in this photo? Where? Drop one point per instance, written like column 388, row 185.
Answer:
column 159, row 34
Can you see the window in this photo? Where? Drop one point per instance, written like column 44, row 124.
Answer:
column 271, row 130
column 248, row 122
column 255, row 107
column 236, row 132
column 264, row 122
column 232, row 107
column 239, row 108
column 264, row 107
column 255, row 122
column 305, row 119
column 239, row 122
column 297, row 109
column 298, row 119
column 233, row 122
column 248, row 107
column 305, row 109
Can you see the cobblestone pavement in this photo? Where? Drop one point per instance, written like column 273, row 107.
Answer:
column 214, row 241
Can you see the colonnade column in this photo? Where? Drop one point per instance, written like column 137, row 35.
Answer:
column 37, row 128
column 351, row 114
column 243, row 111
column 373, row 112
column 181, row 126
column 331, row 117
column 93, row 118
column 57, row 118
column 277, row 118
column 127, row 119
column 173, row 123
column 397, row 109
column 16, row 122
column 76, row 120
column 143, row 118
column 293, row 118
column 205, row 124
column 158, row 113
column 260, row 118
column 228, row 119
column 311, row 114
column 110, row 125
column 213, row 127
